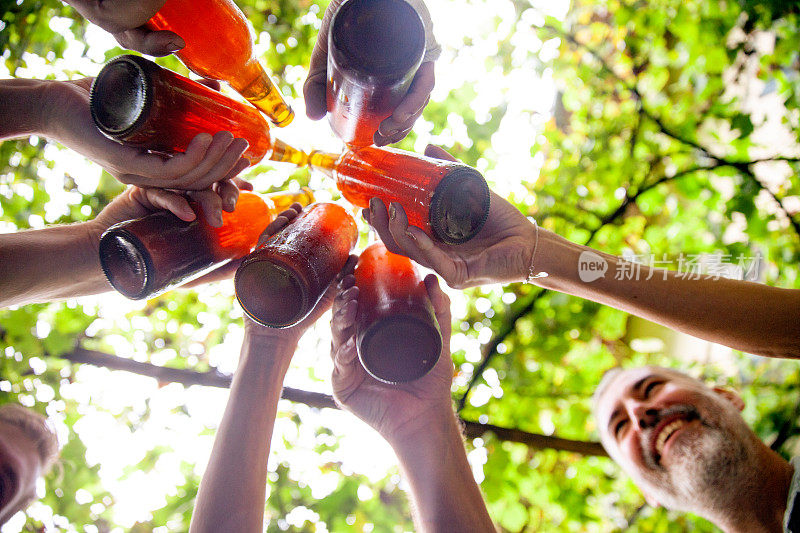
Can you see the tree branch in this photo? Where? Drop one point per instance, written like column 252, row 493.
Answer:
column 214, row 378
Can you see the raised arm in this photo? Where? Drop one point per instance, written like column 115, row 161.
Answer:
column 746, row 316
column 417, row 420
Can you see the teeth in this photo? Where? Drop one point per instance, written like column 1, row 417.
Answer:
column 668, row 430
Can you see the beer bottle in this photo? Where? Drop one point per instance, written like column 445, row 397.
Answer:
column 397, row 336
column 283, row 279
column 157, row 252
column 139, row 103
column 447, row 199
column 374, row 50
column 219, row 46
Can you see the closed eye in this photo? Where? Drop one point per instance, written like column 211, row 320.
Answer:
column 648, row 390
column 619, row 426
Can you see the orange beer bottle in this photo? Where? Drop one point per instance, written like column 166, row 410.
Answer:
column 157, row 252
column 283, row 279
column 139, row 103
column 219, row 45
column 447, row 199
column 397, row 336
column 374, row 50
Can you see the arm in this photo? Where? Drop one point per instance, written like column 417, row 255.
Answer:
column 394, row 128
column 416, row 418
column 62, row 261
column 746, row 316
column 125, row 19
column 59, row 110
column 232, row 491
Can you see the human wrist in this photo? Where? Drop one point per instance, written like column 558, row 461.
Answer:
column 25, row 101
column 270, row 346
column 427, row 429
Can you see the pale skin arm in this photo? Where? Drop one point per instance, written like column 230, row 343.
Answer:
column 416, row 418
column 61, row 262
column 232, row 491
column 743, row 315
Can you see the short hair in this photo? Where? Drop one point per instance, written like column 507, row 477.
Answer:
column 35, row 427
column 605, row 381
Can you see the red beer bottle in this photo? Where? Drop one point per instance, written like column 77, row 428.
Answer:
column 219, row 45
column 447, row 199
column 397, row 336
column 139, row 103
column 157, row 252
column 374, row 50
column 283, row 279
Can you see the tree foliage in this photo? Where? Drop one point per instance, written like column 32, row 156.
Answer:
column 658, row 144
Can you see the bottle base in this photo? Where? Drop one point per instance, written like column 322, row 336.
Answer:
column 414, row 346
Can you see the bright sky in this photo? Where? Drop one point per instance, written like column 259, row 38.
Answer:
column 103, row 393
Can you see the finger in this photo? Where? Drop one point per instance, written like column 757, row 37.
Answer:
column 170, row 201
column 395, row 137
column 315, row 86
column 412, row 105
column 210, row 205
column 347, row 269
column 220, row 157
column 438, row 153
column 243, row 184
column 158, row 170
column 228, row 193
column 441, row 304
column 152, row 43
column 280, row 222
column 237, row 168
column 343, row 320
column 379, row 220
column 211, row 84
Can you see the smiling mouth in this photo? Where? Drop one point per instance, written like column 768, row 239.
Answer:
column 667, row 428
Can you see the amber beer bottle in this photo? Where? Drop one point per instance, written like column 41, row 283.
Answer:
column 374, row 50
column 447, row 199
column 157, row 252
column 219, row 45
column 397, row 336
column 283, row 279
column 139, row 103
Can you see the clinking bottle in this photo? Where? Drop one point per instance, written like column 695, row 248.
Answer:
column 157, row 252
column 219, row 45
column 447, row 199
column 397, row 336
column 141, row 104
column 374, row 50
column 283, row 279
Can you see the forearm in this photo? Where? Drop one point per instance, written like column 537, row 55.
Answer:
column 444, row 494
column 20, row 107
column 49, row 264
column 743, row 315
column 232, row 492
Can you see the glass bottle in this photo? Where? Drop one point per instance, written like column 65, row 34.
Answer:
column 157, row 252
column 397, row 336
column 139, row 103
column 447, row 199
column 283, row 279
column 374, row 50
column 219, row 46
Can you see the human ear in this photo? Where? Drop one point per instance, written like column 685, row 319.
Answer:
column 730, row 396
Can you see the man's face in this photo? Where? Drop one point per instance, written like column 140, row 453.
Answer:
column 19, row 468
column 681, row 442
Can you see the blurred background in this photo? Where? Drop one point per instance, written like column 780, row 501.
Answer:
column 665, row 131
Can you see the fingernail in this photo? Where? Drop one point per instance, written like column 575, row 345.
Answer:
column 175, row 44
column 411, row 236
column 392, row 211
column 373, row 205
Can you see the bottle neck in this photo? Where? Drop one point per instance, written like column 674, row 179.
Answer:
column 258, row 89
column 282, row 200
column 284, row 153
column 324, row 162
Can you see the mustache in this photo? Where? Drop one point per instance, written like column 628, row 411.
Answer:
column 651, row 457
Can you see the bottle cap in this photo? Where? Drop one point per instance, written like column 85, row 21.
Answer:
column 120, row 95
column 459, row 206
column 125, row 263
column 271, row 292
column 414, row 345
column 378, row 37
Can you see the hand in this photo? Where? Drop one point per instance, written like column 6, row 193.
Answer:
column 294, row 333
column 500, row 253
column 394, row 128
column 67, row 119
column 395, row 411
column 124, row 19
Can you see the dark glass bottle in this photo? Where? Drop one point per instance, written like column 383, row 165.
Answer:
column 219, row 45
column 283, row 279
column 397, row 336
column 155, row 253
column 374, row 50
column 447, row 199
column 139, row 103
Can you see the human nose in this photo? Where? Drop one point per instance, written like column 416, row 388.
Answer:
column 645, row 416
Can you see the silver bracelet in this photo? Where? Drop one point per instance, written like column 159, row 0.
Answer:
column 532, row 274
